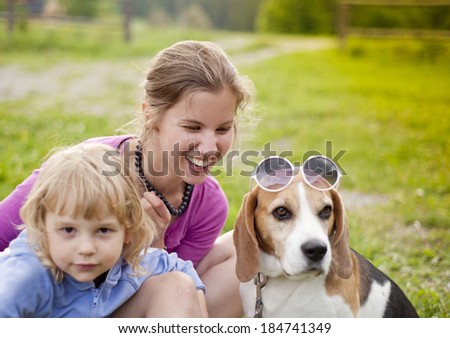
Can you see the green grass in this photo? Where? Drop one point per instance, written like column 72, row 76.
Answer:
column 391, row 116
column 384, row 104
column 55, row 42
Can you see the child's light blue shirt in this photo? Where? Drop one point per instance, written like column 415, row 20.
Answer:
column 28, row 289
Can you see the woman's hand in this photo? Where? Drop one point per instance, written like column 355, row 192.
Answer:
column 155, row 208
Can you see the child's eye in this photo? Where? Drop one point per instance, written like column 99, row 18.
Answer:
column 104, row 230
column 68, row 230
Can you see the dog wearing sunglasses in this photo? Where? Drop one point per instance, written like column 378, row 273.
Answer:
column 294, row 259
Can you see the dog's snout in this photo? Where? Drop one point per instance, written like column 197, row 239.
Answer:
column 314, row 250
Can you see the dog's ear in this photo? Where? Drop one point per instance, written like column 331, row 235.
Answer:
column 244, row 237
column 342, row 258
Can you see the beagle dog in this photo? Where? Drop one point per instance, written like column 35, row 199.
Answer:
column 294, row 259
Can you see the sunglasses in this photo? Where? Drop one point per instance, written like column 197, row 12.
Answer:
column 276, row 173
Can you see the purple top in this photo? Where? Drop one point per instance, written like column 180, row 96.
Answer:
column 191, row 235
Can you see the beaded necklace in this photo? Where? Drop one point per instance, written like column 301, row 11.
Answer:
column 187, row 190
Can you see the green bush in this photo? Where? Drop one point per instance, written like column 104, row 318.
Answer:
column 81, row 8
column 293, row 16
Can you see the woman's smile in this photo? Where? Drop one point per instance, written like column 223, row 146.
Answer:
column 198, row 130
column 201, row 165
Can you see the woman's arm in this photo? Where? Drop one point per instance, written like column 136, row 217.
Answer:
column 10, row 210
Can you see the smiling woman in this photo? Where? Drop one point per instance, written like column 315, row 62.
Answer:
column 193, row 97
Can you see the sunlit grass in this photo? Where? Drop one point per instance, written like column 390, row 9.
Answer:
column 391, row 118
column 380, row 107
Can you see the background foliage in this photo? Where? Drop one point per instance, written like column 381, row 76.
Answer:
column 278, row 16
column 385, row 102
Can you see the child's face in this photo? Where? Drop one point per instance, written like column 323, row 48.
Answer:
column 85, row 248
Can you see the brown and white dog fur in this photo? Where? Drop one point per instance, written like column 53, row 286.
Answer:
column 299, row 239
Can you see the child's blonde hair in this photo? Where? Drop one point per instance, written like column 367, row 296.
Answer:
column 92, row 176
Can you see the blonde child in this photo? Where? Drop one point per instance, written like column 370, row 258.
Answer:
column 194, row 102
column 84, row 250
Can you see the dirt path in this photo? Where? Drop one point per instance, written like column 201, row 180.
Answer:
column 77, row 85
column 273, row 48
column 71, row 81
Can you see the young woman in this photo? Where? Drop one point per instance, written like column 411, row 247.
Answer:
column 193, row 98
column 85, row 247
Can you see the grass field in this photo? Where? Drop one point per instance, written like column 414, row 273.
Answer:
column 380, row 107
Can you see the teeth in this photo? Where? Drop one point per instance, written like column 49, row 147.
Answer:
column 197, row 162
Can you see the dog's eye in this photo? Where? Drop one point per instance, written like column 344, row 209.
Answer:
column 281, row 213
column 325, row 213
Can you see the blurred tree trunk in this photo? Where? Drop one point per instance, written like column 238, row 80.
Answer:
column 10, row 16
column 127, row 10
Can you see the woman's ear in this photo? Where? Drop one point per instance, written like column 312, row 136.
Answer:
column 145, row 112
column 149, row 118
column 144, row 107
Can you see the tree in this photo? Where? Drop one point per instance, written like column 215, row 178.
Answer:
column 421, row 17
column 84, row 8
column 296, row 16
column 195, row 17
column 229, row 14
column 232, row 14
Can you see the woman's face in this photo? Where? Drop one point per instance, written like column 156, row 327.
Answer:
column 194, row 134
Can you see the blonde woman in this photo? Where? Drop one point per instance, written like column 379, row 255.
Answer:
column 193, row 99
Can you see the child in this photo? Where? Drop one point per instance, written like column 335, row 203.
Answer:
column 83, row 252
column 193, row 105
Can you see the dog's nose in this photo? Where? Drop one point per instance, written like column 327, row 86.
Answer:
column 314, row 250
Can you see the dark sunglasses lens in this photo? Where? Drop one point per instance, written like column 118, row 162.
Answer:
column 274, row 173
column 321, row 172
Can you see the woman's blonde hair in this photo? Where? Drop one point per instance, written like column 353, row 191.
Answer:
column 185, row 68
column 92, row 176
